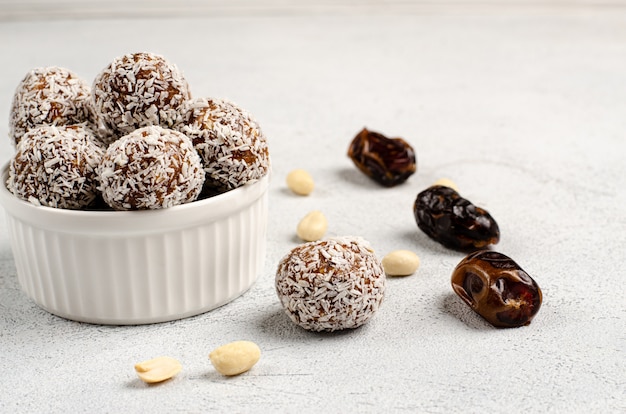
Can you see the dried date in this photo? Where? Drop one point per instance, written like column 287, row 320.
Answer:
column 453, row 221
column 388, row 161
column 497, row 288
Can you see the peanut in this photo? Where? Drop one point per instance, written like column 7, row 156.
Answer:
column 446, row 182
column 235, row 358
column 300, row 182
column 400, row 263
column 312, row 227
column 158, row 369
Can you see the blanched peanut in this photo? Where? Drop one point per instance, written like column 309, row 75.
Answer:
column 158, row 369
column 400, row 263
column 446, row 182
column 235, row 358
column 312, row 227
column 300, row 182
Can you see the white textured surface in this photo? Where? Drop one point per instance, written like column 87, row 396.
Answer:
column 525, row 112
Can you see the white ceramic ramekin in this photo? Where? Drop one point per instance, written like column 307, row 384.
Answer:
column 138, row 267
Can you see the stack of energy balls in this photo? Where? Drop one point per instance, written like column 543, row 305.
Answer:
column 135, row 140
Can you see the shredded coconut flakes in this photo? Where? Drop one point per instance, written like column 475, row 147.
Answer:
column 151, row 168
column 55, row 167
column 50, row 96
column 137, row 90
column 230, row 142
column 332, row 284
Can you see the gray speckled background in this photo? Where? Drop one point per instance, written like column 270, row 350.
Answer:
column 525, row 111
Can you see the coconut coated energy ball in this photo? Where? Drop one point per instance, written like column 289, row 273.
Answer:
column 230, row 142
column 332, row 284
column 137, row 90
column 150, row 168
column 55, row 167
column 49, row 96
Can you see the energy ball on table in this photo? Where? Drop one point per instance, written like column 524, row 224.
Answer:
column 150, row 168
column 137, row 90
column 332, row 284
column 55, row 167
column 49, row 96
column 232, row 146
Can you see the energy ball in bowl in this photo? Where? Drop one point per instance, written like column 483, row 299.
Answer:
column 137, row 90
column 232, row 146
column 49, row 96
column 150, row 168
column 55, row 167
column 331, row 284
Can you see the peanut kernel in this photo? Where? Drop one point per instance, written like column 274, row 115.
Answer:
column 400, row 263
column 446, row 182
column 312, row 227
column 300, row 182
column 158, row 369
column 235, row 358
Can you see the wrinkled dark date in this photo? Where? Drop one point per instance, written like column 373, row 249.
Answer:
column 388, row 161
column 496, row 288
column 453, row 221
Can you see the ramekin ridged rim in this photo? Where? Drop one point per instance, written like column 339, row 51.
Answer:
column 128, row 222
